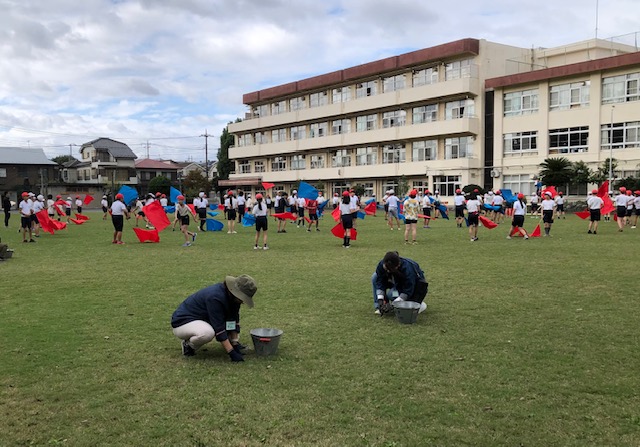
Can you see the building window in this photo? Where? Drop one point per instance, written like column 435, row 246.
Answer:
column 366, row 122
column 425, row 76
column 621, row 88
column 459, row 109
column 521, row 142
column 394, row 118
column 420, row 186
column 425, row 114
column 393, row 83
column 279, row 164
column 521, row 103
column 342, row 94
column 338, row 187
column 278, row 135
column 317, row 130
column 569, row 140
column 298, row 162
column 278, row 107
column 318, row 161
column 340, row 158
column 318, row 99
column 340, row 126
column 519, row 183
column 366, row 156
column 3, row 172
column 457, row 69
column 424, row 150
column 245, row 140
column 366, row 89
column 459, row 147
column 258, row 166
column 569, row 96
column 394, row 153
column 446, row 184
column 390, row 184
column 368, row 189
column 297, row 103
column 262, row 110
column 261, row 138
column 244, row 167
column 298, row 132
column 624, row 135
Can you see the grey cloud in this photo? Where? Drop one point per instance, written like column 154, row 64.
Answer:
column 142, row 87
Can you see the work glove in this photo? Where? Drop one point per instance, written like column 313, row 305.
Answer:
column 239, row 348
column 235, row 356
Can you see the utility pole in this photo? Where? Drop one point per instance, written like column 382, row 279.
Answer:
column 206, row 153
column 147, row 146
column 71, row 150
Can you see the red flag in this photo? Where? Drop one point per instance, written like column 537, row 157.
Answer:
column 487, row 223
column 423, row 216
column 370, row 209
column 87, row 199
column 336, row 214
column 221, row 206
column 156, row 215
column 583, row 214
column 603, row 190
column 147, row 235
column 285, row 216
column 608, row 206
column 536, row 232
column 59, row 210
column 45, row 221
column 191, row 207
column 515, row 231
column 267, row 185
column 307, row 219
column 551, row 190
column 77, row 222
column 338, row 231
column 81, row 216
column 58, row 225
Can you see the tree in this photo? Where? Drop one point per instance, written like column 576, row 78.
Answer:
column 61, row 159
column 358, row 188
column 160, row 184
column 195, row 182
column 225, row 166
column 555, row 171
column 403, row 186
column 581, row 174
column 602, row 173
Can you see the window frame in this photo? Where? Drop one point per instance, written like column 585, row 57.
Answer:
column 568, row 135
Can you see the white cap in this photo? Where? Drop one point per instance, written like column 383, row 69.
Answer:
column 437, row 192
column 391, row 191
column 295, row 191
column 68, row 198
column 201, row 195
column 40, row 197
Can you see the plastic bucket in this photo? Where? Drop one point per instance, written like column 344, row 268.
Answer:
column 265, row 340
column 406, row 311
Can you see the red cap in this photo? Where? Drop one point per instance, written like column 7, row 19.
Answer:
column 229, row 192
column 180, row 197
column 520, row 195
column 163, row 196
column 458, row 191
column 25, row 194
column 258, row 196
column 623, row 189
column 637, row 192
column 476, row 190
column 413, row 192
column 119, row 196
column 595, row 191
column 628, row 192
column 498, row 192
column 77, row 197
column 58, row 196
column 559, row 193
column 346, row 193
column 157, row 194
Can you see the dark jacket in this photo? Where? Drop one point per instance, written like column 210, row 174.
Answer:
column 213, row 304
column 405, row 279
column 6, row 203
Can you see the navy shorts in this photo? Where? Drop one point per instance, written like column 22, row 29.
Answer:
column 459, row 210
column 473, row 219
column 560, row 208
column 426, row 212
column 547, row 216
column 118, row 222
column 25, row 222
column 184, row 220
column 261, row 223
column 518, row 221
column 595, row 215
column 347, row 221
column 202, row 213
column 313, row 217
column 410, row 221
column 621, row 211
column 231, row 215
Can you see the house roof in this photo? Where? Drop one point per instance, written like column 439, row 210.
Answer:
column 115, row 148
column 74, row 163
column 21, row 156
column 147, row 163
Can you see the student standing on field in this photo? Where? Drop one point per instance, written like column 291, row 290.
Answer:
column 79, row 204
column 629, row 212
column 280, row 207
column 411, row 209
column 498, row 203
column 621, row 207
column 535, row 200
column 312, row 209
column 25, row 208
column 636, row 204
column 105, row 207
column 301, row 204
column 118, row 213
column 548, row 209
column 182, row 214
column 37, row 205
column 595, row 204
column 6, row 206
column 426, row 208
column 519, row 211
column 473, row 206
column 200, row 203
column 231, row 205
column 459, row 202
column 242, row 203
column 51, row 211
column 260, row 212
column 346, row 218
column 560, row 205
column 67, row 208
column 393, row 203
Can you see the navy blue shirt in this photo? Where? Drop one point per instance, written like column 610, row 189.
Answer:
column 213, row 304
column 404, row 280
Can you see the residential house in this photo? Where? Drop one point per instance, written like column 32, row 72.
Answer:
column 148, row 169
column 107, row 162
column 25, row 170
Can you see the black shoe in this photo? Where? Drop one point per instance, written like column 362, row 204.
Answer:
column 31, row 240
column 589, row 232
column 187, row 350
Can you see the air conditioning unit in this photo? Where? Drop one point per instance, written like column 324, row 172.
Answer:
column 495, row 173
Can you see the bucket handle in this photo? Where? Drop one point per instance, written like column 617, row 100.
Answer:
column 266, row 340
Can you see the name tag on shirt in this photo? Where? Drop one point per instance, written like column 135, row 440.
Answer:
column 231, row 325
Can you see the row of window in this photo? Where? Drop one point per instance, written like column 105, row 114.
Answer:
column 463, row 108
column 423, row 150
column 416, row 78
column 615, row 89
column 573, row 140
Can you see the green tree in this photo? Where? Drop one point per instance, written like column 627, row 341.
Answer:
column 581, row 174
column 555, row 171
column 61, row 159
column 602, row 173
column 195, row 182
column 359, row 189
column 160, row 184
column 225, row 166
column 403, row 186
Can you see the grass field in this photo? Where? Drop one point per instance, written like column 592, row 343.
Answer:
column 524, row 343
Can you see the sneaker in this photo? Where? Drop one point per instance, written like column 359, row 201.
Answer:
column 377, row 312
column 595, row 232
column 283, row 231
column 309, row 230
column 508, row 237
column 187, row 244
column 234, row 232
column 406, row 242
column 187, row 350
column 633, row 226
column 25, row 240
column 193, row 238
column 31, row 240
column 229, row 232
column 317, row 229
column 266, row 247
column 589, row 232
column 526, row 237
column 255, row 247
column 120, row 243
column 415, row 242
column 114, row 242
column 472, row 239
column 347, row 246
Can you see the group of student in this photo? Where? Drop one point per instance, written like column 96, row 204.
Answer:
column 627, row 209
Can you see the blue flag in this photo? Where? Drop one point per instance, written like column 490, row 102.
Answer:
column 443, row 212
column 361, row 214
column 508, row 195
column 369, row 201
column 173, row 195
column 130, row 194
column 212, row 213
column 169, row 209
column 248, row 220
column 307, row 191
column 214, row 225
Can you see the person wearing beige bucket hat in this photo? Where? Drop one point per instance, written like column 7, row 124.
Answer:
column 214, row 312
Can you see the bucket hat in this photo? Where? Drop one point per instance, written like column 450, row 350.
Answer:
column 242, row 287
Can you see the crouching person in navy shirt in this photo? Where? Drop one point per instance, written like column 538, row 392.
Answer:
column 398, row 279
column 214, row 312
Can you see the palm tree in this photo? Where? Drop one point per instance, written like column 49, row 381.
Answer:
column 556, row 171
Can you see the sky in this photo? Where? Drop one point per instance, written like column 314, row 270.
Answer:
column 159, row 74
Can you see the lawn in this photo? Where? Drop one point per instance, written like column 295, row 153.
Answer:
column 531, row 343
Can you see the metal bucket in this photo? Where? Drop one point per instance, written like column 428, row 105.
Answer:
column 265, row 340
column 406, row 311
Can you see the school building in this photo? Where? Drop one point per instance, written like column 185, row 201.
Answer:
column 464, row 112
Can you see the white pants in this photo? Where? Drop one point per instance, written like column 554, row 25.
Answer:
column 197, row 333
